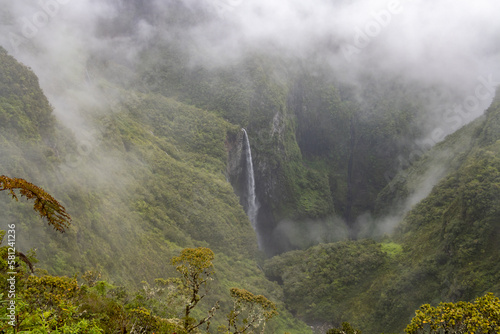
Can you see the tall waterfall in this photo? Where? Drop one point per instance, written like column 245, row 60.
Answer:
column 252, row 205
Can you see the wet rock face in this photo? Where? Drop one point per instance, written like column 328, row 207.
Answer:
column 235, row 172
column 234, row 149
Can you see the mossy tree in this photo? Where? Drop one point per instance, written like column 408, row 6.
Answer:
column 481, row 316
column 197, row 270
column 249, row 312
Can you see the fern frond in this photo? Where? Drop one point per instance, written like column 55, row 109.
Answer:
column 46, row 205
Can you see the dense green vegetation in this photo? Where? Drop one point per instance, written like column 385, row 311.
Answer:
column 41, row 303
column 23, row 112
column 147, row 183
column 319, row 283
column 321, row 147
column 446, row 248
column 481, row 316
column 151, row 178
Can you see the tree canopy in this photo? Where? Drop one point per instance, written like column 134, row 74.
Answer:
column 481, row 316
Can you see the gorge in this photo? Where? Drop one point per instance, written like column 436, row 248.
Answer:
column 161, row 126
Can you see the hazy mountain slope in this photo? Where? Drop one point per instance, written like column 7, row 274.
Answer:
column 322, row 148
column 446, row 248
column 450, row 239
column 326, row 138
column 150, row 181
column 157, row 92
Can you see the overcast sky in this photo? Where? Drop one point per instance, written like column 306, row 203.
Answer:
column 444, row 41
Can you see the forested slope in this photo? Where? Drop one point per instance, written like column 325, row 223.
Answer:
column 147, row 182
column 323, row 148
column 445, row 249
column 145, row 174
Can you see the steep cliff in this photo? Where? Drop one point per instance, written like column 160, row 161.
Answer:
column 321, row 149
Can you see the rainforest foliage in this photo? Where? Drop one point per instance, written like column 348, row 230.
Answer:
column 446, row 247
column 148, row 181
column 42, row 303
column 145, row 175
column 481, row 316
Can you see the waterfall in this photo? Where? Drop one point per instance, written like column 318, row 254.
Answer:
column 252, row 206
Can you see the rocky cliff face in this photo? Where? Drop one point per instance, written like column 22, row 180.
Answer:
column 322, row 149
column 319, row 156
column 234, row 147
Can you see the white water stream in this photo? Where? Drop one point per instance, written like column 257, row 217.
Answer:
column 252, row 205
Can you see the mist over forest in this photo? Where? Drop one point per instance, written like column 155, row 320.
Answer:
column 339, row 157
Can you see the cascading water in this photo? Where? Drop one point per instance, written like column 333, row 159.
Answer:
column 252, row 205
